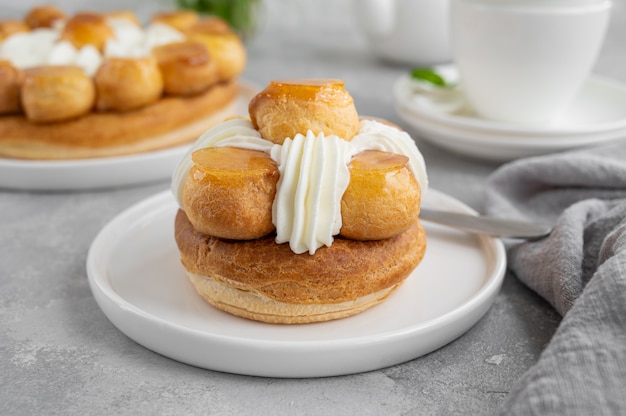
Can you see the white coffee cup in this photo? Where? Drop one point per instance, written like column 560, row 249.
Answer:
column 523, row 61
column 413, row 32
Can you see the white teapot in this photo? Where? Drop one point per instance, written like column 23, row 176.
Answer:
column 414, row 32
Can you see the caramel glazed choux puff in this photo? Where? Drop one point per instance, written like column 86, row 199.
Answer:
column 101, row 84
column 303, row 212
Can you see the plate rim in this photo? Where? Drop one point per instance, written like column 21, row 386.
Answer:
column 537, row 142
column 506, row 148
column 481, row 298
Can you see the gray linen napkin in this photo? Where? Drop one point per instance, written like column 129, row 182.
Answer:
column 580, row 269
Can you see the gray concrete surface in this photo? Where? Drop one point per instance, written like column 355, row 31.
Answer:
column 60, row 355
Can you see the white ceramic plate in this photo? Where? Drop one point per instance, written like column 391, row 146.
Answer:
column 135, row 275
column 106, row 172
column 500, row 147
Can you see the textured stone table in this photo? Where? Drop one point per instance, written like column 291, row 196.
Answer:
column 59, row 354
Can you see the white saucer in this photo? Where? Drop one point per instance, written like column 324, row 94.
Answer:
column 500, row 147
column 597, row 115
column 107, row 172
column 137, row 280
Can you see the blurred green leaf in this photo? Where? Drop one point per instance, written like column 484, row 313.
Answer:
column 428, row 75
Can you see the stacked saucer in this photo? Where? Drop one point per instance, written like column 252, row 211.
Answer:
column 596, row 116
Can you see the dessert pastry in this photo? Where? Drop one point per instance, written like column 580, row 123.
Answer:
column 186, row 67
column 44, row 17
column 125, row 84
column 325, row 107
column 125, row 87
column 45, row 87
column 11, row 27
column 313, row 221
column 87, row 29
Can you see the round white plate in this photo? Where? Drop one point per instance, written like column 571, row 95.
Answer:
column 137, row 280
column 500, row 147
column 599, row 106
column 107, row 172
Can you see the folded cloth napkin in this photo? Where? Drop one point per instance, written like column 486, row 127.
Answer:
column 580, row 269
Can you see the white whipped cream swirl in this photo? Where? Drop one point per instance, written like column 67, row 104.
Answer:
column 313, row 177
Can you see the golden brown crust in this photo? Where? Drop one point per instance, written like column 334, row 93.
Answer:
column 186, row 67
column 233, row 201
column 286, row 108
column 85, row 29
column 382, row 199
column 344, row 272
column 168, row 122
column 125, row 84
column 226, row 49
column 255, row 306
column 56, row 93
column 10, row 27
column 43, row 16
column 11, row 80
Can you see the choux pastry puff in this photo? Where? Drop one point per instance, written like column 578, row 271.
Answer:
column 302, row 213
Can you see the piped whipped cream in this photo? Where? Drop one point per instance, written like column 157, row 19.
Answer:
column 313, row 171
column 44, row 46
column 131, row 41
column 313, row 177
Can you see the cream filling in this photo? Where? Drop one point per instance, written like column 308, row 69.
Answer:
column 313, row 174
column 313, row 177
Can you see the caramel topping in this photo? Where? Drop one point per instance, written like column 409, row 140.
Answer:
column 377, row 160
column 87, row 29
column 191, row 53
column 43, row 16
column 324, row 90
column 232, row 159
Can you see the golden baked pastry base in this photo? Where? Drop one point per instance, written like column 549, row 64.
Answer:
column 252, row 305
column 272, row 284
column 169, row 122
